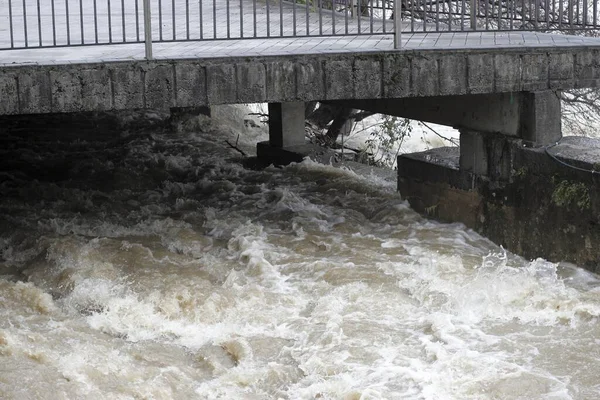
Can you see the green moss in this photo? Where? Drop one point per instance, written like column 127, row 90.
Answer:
column 520, row 173
column 571, row 194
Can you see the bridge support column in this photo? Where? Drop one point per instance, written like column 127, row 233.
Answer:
column 286, row 124
column 287, row 141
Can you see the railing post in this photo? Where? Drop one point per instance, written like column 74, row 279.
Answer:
column 473, row 15
column 397, row 24
column 148, row 29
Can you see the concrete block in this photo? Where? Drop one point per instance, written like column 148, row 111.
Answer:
column 220, row 84
column 9, row 96
column 35, row 91
column 534, row 72
column 310, row 80
column 425, row 77
column 473, row 153
column 541, row 118
column 286, row 124
column 66, row 91
column 396, row 75
column 367, row 80
column 281, row 81
column 587, row 69
column 338, row 79
column 561, row 69
column 96, row 93
column 159, row 86
column 128, row 87
column 507, row 72
column 453, row 74
column 191, row 85
column 251, row 83
column 480, row 70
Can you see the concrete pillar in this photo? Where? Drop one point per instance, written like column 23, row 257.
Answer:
column 487, row 154
column 540, row 118
column 286, row 124
column 473, row 153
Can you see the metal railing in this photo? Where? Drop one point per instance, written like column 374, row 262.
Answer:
column 54, row 23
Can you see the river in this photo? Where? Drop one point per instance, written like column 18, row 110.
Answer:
column 153, row 265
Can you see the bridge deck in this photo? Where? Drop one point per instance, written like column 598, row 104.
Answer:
column 126, row 27
column 300, row 45
column 280, row 69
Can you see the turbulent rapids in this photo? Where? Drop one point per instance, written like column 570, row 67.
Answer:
column 154, row 265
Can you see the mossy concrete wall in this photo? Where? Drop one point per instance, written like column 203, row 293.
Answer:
column 542, row 209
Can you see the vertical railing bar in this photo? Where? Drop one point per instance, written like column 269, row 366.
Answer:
column 462, row 15
column 560, row 15
column 500, row 14
column 359, row 16
column 109, row 23
column 268, row 19
column 546, row 8
column 397, row 24
column 228, row 20
column 241, row 18
column 412, row 15
column 68, row 23
column 371, row 19
column 294, row 17
column 333, row 32
column 425, row 9
column 25, row 23
column 321, row 17
column 214, row 19
column 570, row 14
column 449, row 15
column 595, row 13
column 585, row 13
column 81, row 21
column 123, row 20
column 39, row 19
column 255, row 26
column 307, row 19
column 346, row 17
column 280, row 18
column 487, row 22
column 437, row 16
column 187, row 19
column 10, row 22
column 201, row 18
column 174, row 27
column 160, row 24
column 95, row 19
column 473, row 14
column 383, row 17
column 137, row 20
column 148, row 29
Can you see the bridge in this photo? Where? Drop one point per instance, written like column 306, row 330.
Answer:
column 489, row 68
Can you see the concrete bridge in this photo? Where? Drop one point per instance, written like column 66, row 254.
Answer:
column 499, row 88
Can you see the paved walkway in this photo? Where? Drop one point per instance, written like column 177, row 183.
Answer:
column 288, row 46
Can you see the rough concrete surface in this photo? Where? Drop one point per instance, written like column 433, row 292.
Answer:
column 293, row 77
